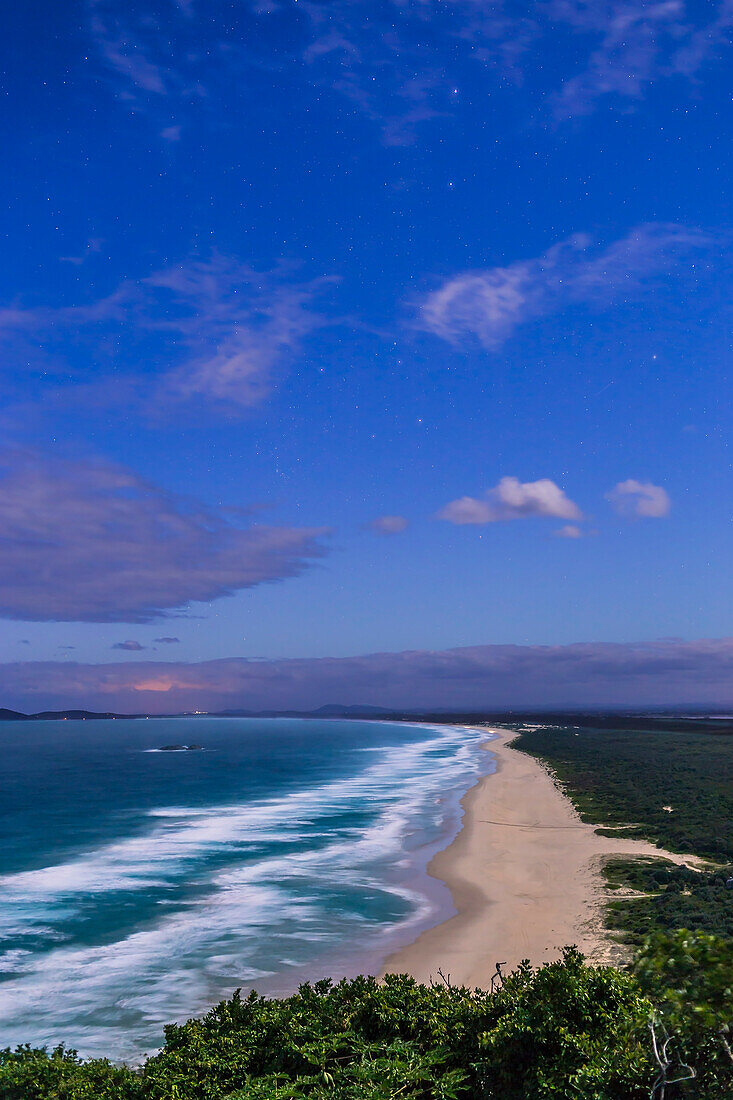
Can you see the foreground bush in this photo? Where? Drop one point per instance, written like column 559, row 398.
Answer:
column 690, row 978
column 28, row 1074
column 565, row 1031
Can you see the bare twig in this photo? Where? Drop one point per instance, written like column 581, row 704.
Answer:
column 498, row 977
column 444, row 979
column 665, row 1063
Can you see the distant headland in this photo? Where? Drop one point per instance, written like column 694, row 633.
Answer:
column 690, row 718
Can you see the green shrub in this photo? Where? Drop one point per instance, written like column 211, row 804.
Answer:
column 567, row 1030
column 563, row 1031
column 689, row 977
column 36, row 1074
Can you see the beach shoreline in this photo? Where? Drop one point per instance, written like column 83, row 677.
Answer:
column 525, row 875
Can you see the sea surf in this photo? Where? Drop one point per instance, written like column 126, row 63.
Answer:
column 139, row 887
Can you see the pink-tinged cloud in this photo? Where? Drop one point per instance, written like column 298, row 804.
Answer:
column 512, row 499
column 93, row 542
column 476, row 677
column 642, row 499
column 389, row 525
column 569, row 531
column 487, row 306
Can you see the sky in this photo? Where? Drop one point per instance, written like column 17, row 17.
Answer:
column 365, row 352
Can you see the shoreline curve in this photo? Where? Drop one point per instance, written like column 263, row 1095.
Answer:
column 524, row 873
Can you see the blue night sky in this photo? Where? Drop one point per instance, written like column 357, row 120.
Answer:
column 333, row 328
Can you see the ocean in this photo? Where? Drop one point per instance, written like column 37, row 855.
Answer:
column 138, row 887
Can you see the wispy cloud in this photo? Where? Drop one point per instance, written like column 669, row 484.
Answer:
column 569, row 531
column 487, row 306
column 48, row 322
column 633, row 43
column 93, row 246
column 390, row 59
column 388, row 525
column 221, row 331
column 512, row 499
column 477, row 677
column 148, row 48
column 94, row 542
column 395, row 61
column 239, row 325
column 642, row 499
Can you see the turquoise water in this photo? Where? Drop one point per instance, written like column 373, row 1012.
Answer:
column 139, row 886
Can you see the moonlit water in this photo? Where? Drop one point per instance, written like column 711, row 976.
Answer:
column 139, row 887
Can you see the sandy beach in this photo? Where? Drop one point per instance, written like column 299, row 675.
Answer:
column 525, row 875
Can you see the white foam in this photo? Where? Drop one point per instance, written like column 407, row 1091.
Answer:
column 255, row 910
column 136, row 862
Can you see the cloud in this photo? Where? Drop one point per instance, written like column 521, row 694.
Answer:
column 93, row 246
column 632, row 43
column 390, row 61
column 45, row 321
column 639, row 498
column 94, row 542
column 397, row 62
column 512, row 499
column 222, row 330
column 487, row 306
column 664, row 672
column 128, row 44
column 130, row 645
column 168, row 641
column 238, row 325
column 569, row 531
column 389, row 525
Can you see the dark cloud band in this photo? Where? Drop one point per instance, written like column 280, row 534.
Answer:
column 492, row 676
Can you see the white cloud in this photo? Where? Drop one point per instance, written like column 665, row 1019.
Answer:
column 512, row 499
column 489, row 305
column 569, row 531
column 639, row 498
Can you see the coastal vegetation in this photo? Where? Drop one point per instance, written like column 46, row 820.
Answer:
column 656, row 894
column 562, row 1030
column 671, row 786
